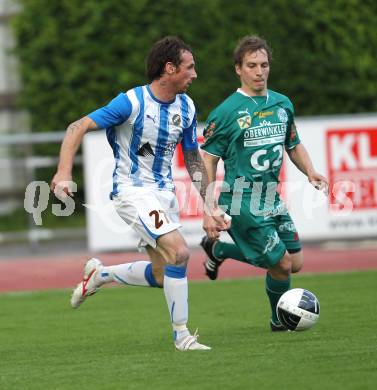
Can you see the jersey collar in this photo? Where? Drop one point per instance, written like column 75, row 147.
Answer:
column 239, row 90
column 155, row 99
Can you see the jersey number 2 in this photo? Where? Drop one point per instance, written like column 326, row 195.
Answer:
column 158, row 221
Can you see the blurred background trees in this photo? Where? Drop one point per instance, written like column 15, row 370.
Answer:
column 76, row 55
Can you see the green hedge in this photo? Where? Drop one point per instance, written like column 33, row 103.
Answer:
column 75, row 55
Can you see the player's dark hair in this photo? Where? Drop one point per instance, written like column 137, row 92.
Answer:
column 167, row 49
column 250, row 44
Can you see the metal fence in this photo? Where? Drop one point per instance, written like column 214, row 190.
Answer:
column 27, row 163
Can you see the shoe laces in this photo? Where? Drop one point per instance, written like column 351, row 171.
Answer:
column 190, row 339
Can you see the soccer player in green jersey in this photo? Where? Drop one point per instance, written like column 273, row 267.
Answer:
column 249, row 132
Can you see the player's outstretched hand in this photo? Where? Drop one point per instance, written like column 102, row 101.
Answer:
column 62, row 183
column 319, row 182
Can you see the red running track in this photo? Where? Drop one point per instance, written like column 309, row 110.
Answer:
column 65, row 271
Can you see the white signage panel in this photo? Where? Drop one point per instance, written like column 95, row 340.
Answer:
column 343, row 148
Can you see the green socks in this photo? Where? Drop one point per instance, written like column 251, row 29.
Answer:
column 275, row 289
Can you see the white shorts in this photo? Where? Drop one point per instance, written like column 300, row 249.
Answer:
column 150, row 212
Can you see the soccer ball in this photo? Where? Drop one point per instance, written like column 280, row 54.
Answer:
column 298, row 309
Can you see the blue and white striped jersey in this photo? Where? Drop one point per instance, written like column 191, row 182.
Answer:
column 143, row 133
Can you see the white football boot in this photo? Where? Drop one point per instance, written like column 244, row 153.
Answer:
column 89, row 284
column 190, row 343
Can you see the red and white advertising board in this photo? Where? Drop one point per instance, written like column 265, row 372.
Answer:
column 343, row 148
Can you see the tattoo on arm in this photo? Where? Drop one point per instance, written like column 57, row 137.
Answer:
column 85, row 123
column 73, row 127
column 196, row 170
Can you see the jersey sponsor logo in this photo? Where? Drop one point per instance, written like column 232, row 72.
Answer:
column 176, row 120
column 167, row 149
column 282, row 115
column 145, row 151
column 244, row 112
column 244, row 122
column 280, row 209
column 209, row 130
column 263, row 114
column 266, row 133
column 287, row 227
column 152, row 118
column 260, row 160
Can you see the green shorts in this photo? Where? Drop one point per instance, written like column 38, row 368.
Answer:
column 265, row 243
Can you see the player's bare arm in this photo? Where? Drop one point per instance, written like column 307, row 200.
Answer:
column 72, row 140
column 210, row 162
column 197, row 171
column 209, row 225
column 300, row 157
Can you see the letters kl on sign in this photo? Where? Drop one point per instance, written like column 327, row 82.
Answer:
column 352, row 167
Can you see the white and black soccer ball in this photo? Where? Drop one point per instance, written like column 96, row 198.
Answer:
column 298, row 309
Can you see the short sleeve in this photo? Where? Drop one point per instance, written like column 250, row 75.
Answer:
column 215, row 141
column 292, row 138
column 189, row 138
column 115, row 113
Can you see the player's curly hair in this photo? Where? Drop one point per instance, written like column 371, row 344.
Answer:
column 250, row 43
column 167, row 49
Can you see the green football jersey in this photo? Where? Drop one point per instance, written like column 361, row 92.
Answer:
column 250, row 135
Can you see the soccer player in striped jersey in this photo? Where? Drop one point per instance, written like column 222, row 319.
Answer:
column 143, row 127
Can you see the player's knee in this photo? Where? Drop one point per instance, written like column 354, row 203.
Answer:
column 296, row 267
column 175, row 254
column 182, row 256
column 285, row 266
column 297, row 261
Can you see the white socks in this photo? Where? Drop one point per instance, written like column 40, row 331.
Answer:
column 138, row 273
column 176, row 294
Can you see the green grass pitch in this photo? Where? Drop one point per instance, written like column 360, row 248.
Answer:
column 121, row 339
